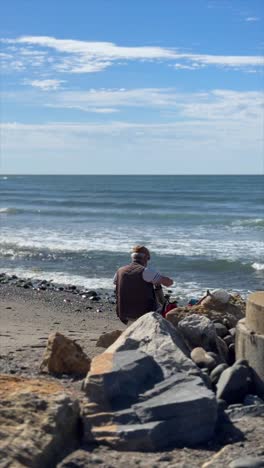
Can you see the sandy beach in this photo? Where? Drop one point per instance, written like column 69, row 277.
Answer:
column 28, row 317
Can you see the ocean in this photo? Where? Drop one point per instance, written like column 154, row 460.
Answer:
column 205, row 232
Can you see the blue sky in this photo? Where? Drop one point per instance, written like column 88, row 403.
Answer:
column 114, row 87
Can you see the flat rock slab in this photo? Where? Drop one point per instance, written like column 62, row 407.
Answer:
column 145, row 393
column 38, row 422
column 243, row 439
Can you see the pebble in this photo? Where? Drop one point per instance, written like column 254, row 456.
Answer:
column 253, row 400
column 247, row 462
column 228, row 339
column 221, row 329
column 202, row 358
column 215, row 374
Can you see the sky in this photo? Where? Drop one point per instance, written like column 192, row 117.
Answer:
column 132, row 87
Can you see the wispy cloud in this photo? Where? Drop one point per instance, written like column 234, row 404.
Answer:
column 74, row 56
column 208, row 146
column 222, row 121
column 46, row 85
column 252, row 18
column 214, row 104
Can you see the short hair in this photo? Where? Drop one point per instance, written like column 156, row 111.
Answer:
column 141, row 249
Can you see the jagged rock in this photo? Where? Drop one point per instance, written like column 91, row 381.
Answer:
column 202, row 358
column 64, row 356
column 38, row 422
column 107, row 339
column 144, row 393
column 234, row 383
column 199, row 331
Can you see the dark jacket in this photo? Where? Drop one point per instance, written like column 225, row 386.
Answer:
column 134, row 296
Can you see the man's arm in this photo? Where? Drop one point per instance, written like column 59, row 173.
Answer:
column 165, row 281
column 152, row 276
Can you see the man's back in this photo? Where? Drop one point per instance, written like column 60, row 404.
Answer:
column 134, row 295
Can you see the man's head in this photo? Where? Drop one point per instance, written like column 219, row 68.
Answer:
column 140, row 254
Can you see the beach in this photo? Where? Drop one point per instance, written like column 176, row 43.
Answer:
column 29, row 316
column 62, row 240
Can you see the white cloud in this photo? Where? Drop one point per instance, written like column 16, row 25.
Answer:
column 192, row 66
column 252, row 18
column 194, row 146
column 104, row 110
column 214, row 104
column 74, row 56
column 46, row 85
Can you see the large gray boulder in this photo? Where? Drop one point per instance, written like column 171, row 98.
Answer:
column 199, row 331
column 145, row 393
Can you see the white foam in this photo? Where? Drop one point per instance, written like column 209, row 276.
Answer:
column 121, row 239
column 180, row 291
column 60, row 277
column 8, row 210
column 258, row 266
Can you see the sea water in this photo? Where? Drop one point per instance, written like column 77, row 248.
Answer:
column 205, row 232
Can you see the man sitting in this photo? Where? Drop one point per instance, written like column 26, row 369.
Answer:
column 135, row 295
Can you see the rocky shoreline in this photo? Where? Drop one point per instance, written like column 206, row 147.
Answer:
column 32, row 310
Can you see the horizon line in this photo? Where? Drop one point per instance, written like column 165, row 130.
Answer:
column 133, row 175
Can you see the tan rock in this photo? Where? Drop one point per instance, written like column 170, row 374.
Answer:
column 107, row 339
column 38, row 422
column 64, row 356
column 202, row 358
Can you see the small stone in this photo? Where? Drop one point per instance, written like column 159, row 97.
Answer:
column 253, row 400
column 107, row 339
column 202, row 358
column 222, row 349
column 234, row 383
column 221, row 329
column 228, row 339
column 216, row 373
column 231, row 354
column 247, row 462
column 91, row 293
